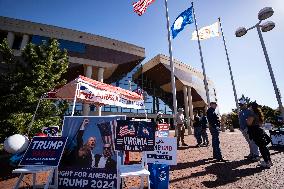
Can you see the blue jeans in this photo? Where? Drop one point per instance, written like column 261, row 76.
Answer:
column 253, row 148
column 204, row 136
column 215, row 143
column 197, row 134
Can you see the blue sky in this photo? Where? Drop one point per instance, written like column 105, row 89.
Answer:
column 116, row 19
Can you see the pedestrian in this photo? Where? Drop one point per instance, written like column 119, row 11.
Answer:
column 159, row 118
column 258, row 135
column 197, row 128
column 214, row 127
column 243, row 115
column 180, row 127
column 203, row 123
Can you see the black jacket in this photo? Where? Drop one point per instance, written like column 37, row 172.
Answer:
column 110, row 163
column 84, row 160
column 203, row 122
column 213, row 118
column 258, row 135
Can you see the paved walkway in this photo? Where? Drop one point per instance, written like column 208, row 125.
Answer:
column 197, row 169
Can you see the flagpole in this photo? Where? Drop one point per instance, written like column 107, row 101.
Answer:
column 230, row 69
column 172, row 65
column 201, row 58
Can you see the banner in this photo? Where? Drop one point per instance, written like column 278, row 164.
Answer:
column 93, row 94
column 89, row 160
column 165, row 151
column 44, row 151
column 207, row 32
column 135, row 136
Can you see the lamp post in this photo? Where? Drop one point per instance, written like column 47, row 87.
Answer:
column 265, row 27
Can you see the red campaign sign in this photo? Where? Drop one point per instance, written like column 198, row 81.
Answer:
column 163, row 127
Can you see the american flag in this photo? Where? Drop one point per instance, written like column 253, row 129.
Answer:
column 125, row 130
column 141, row 6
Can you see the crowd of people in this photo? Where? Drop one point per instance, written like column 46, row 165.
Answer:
column 250, row 118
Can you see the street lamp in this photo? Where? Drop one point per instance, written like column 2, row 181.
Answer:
column 265, row 27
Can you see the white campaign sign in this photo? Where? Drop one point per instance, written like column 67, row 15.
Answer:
column 165, row 151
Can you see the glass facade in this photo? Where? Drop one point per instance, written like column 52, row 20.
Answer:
column 64, row 44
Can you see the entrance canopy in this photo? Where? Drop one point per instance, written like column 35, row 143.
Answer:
column 90, row 91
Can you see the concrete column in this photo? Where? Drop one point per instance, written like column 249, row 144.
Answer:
column 100, row 79
column 10, row 39
column 190, row 106
column 185, row 97
column 88, row 73
column 24, row 41
column 101, row 75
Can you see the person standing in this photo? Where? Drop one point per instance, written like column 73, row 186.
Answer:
column 258, row 135
column 203, row 123
column 197, row 128
column 243, row 115
column 104, row 160
column 214, row 126
column 180, row 127
column 159, row 118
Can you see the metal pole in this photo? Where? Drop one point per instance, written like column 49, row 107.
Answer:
column 172, row 65
column 33, row 118
column 230, row 69
column 75, row 98
column 276, row 90
column 201, row 58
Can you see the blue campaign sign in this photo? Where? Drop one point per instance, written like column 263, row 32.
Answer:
column 44, row 151
column 89, row 160
column 135, row 135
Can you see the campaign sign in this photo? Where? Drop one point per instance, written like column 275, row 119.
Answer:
column 163, row 130
column 163, row 127
column 135, row 136
column 89, row 159
column 162, row 133
column 44, row 151
column 165, row 151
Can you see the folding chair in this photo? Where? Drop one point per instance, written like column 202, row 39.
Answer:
column 134, row 170
column 53, row 174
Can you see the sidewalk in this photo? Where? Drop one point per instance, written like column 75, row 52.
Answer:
column 197, row 169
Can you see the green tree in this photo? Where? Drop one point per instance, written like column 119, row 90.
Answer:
column 24, row 80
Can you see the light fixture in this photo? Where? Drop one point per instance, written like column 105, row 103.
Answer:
column 265, row 13
column 267, row 26
column 241, row 31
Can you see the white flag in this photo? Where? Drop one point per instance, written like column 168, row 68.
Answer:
column 207, row 32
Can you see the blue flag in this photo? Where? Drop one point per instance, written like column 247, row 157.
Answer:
column 181, row 21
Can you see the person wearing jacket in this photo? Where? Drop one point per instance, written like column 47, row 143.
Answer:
column 243, row 115
column 197, row 128
column 258, row 135
column 214, row 126
column 203, row 123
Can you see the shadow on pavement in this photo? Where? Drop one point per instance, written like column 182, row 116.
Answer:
column 185, row 147
column 186, row 165
column 225, row 172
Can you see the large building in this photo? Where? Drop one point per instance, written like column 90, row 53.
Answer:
column 118, row 63
column 155, row 78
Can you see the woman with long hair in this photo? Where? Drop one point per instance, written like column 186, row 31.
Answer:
column 257, row 134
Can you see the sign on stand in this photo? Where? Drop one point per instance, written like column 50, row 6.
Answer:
column 89, row 160
column 135, row 136
column 165, row 151
column 44, row 151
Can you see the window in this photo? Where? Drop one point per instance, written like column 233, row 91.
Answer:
column 17, row 42
column 64, row 44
